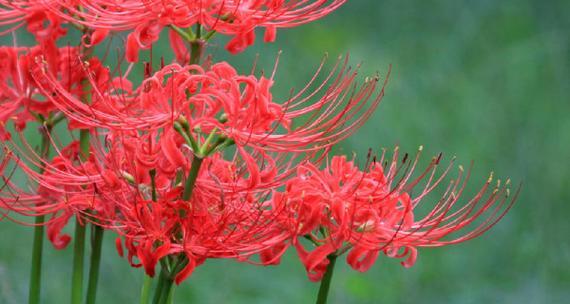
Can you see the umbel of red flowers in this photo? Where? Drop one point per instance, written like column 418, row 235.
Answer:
column 200, row 161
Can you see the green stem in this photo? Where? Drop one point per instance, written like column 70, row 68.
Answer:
column 84, row 144
column 209, row 35
column 36, row 269
column 198, row 31
column 36, row 272
column 191, row 180
column 186, row 35
column 79, row 242
column 166, row 291
column 154, row 195
column 159, row 287
column 163, row 292
column 78, row 254
column 207, row 143
column 196, row 48
column 187, row 136
column 170, row 298
column 145, row 292
column 326, row 282
column 79, row 245
column 95, row 262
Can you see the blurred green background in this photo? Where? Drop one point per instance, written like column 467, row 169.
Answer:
column 484, row 80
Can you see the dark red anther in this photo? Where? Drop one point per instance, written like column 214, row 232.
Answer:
column 147, row 70
column 439, row 156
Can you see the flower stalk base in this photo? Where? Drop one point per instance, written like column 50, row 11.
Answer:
column 326, row 282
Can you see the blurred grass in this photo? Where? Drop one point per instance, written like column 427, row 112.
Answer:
column 484, row 80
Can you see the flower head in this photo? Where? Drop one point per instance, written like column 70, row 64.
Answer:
column 236, row 18
column 344, row 209
column 219, row 100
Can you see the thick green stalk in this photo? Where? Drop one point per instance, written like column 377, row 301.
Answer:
column 163, row 289
column 326, row 282
column 191, row 180
column 36, row 271
column 95, row 262
column 159, row 287
column 78, row 254
column 84, row 144
column 196, row 48
column 147, row 282
column 170, row 298
column 145, row 292
column 79, row 243
column 34, row 292
column 166, row 291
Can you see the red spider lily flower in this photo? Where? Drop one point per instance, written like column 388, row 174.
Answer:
column 60, row 190
column 135, row 154
column 65, row 186
column 20, row 99
column 228, row 215
column 230, row 105
column 43, row 24
column 141, row 179
column 342, row 208
column 202, row 228
column 142, row 38
column 236, row 18
column 103, row 188
column 13, row 13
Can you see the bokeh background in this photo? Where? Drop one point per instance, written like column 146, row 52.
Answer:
column 484, row 80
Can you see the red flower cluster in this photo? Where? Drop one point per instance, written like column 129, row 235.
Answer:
column 199, row 161
column 343, row 209
column 169, row 137
column 236, row 18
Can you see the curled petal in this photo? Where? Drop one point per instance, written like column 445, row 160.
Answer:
column 171, row 151
column 119, row 247
column 411, row 259
column 58, row 240
column 361, row 259
column 240, row 42
column 270, row 34
column 272, row 256
column 132, row 48
column 186, row 271
column 315, row 262
column 179, row 47
column 95, row 38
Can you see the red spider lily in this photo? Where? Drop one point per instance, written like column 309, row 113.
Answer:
column 220, row 220
column 131, row 156
column 136, row 153
column 17, row 89
column 13, row 13
column 20, row 98
column 199, row 161
column 220, row 102
column 342, row 208
column 21, row 102
column 44, row 25
column 227, row 216
column 237, row 18
column 65, row 186
column 61, row 183
column 204, row 227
